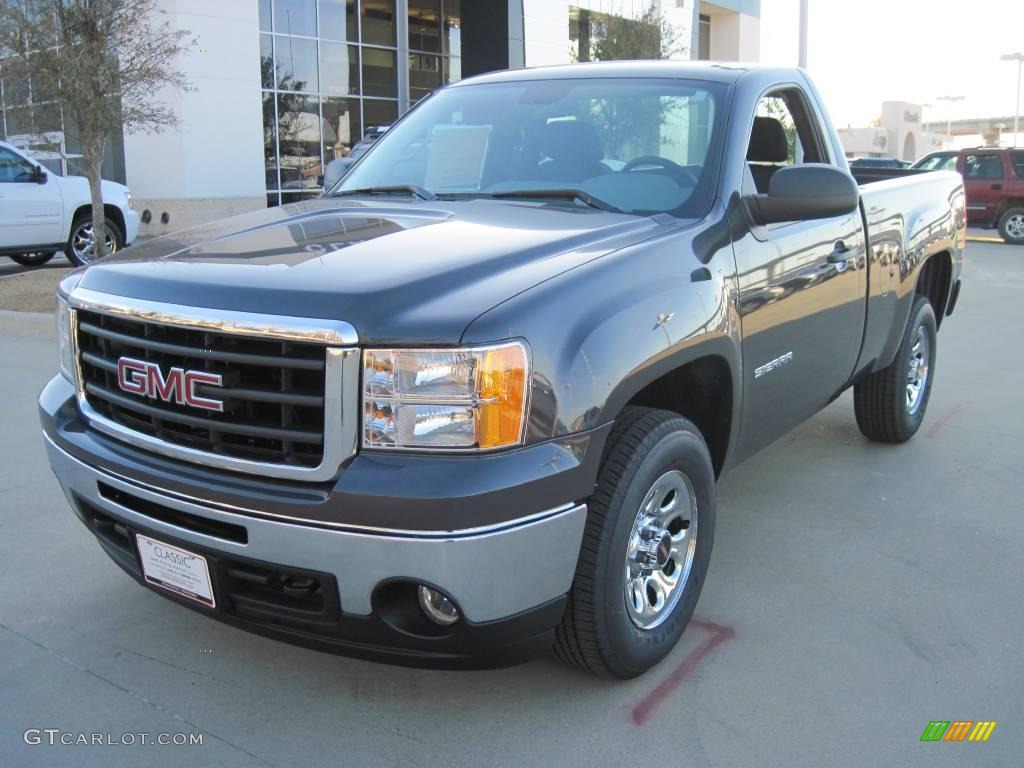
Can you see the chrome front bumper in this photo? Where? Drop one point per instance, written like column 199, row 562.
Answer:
column 492, row 573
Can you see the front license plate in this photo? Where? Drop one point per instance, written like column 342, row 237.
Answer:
column 176, row 570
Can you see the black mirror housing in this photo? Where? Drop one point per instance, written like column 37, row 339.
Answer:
column 39, row 176
column 804, row 192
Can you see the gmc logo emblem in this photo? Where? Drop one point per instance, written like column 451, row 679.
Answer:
column 139, row 377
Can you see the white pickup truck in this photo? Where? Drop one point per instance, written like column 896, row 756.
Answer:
column 42, row 213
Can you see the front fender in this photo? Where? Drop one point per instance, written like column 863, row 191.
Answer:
column 602, row 332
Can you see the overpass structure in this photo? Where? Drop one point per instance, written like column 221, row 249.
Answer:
column 990, row 128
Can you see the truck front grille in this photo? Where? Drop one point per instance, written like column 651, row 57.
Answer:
column 272, row 390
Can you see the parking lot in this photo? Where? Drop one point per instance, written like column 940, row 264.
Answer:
column 856, row 592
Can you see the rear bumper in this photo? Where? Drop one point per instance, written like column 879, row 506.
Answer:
column 509, row 579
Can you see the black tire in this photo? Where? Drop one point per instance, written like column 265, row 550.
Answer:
column 597, row 633
column 881, row 401
column 114, row 233
column 33, row 259
column 1011, row 226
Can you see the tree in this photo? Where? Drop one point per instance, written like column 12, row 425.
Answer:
column 607, row 37
column 104, row 63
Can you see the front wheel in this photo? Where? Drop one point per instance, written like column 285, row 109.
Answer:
column 890, row 403
column 646, row 547
column 81, row 248
column 1011, row 226
column 33, row 259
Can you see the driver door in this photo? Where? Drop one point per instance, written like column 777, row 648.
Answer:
column 30, row 213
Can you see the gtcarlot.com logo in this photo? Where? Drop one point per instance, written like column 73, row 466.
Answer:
column 54, row 736
column 958, row 730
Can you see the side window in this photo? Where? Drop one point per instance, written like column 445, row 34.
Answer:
column 983, row 167
column 1018, row 163
column 14, row 168
column 783, row 135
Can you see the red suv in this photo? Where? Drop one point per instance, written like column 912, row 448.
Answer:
column 994, row 183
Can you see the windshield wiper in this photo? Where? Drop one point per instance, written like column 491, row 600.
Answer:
column 412, row 189
column 558, row 194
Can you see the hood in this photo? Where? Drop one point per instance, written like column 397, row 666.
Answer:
column 112, row 192
column 408, row 272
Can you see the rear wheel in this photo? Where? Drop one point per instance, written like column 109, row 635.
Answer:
column 890, row 404
column 1011, row 226
column 646, row 547
column 33, row 259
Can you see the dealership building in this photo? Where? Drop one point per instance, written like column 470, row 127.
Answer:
column 282, row 87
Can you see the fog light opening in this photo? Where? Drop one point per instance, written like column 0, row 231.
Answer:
column 438, row 606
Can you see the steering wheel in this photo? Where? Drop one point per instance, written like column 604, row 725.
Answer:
column 682, row 176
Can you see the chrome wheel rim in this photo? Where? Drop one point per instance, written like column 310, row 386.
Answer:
column 917, row 370
column 660, row 551
column 1015, row 226
column 83, row 243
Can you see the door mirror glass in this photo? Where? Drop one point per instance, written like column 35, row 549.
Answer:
column 804, row 192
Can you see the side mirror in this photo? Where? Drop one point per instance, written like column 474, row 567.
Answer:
column 39, row 175
column 804, row 192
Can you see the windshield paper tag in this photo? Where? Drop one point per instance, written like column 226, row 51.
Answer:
column 457, row 157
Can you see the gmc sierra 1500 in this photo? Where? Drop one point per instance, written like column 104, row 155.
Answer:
column 473, row 402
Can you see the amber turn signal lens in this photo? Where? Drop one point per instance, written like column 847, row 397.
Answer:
column 502, row 396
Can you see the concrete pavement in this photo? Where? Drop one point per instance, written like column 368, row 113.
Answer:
column 856, row 593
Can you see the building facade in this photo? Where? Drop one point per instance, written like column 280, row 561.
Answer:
column 282, row 87
column 899, row 134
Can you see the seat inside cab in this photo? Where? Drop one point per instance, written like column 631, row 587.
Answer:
column 768, row 151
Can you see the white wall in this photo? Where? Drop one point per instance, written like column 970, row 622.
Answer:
column 212, row 165
column 734, row 36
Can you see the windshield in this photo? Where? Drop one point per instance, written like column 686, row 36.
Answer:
column 636, row 145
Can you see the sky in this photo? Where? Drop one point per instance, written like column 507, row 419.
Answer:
column 863, row 52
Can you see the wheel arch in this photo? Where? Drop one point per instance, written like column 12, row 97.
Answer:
column 111, row 212
column 700, row 384
column 934, row 282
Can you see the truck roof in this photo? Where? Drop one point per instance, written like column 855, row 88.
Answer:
column 715, row 71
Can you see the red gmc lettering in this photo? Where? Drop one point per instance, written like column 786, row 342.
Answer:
column 140, row 377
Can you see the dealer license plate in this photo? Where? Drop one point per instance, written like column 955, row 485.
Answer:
column 176, row 570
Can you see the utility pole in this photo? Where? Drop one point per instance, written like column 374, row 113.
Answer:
column 1019, row 58
column 948, row 116
column 802, row 62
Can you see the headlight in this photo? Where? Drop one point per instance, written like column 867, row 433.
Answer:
column 65, row 339
column 447, row 399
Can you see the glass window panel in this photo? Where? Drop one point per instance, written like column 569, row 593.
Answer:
column 297, row 197
column 267, row 61
column 338, row 19
column 453, row 27
column 339, row 69
column 379, row 22
column 47, row 117
column 341, row 127
column 424, row 75
column 15, row 90
column 299, row 138
column 296, row 64
column 269, row 141
column 295, row 17
column 425, row 25
column 273, row 200
column 452, row 70
column 19, row 121
column 377, row 112
column 379, row 73
column 265, row 16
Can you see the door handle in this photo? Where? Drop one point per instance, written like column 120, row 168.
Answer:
column 997, row 186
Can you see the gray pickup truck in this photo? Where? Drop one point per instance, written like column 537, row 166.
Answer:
column 471, row 405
